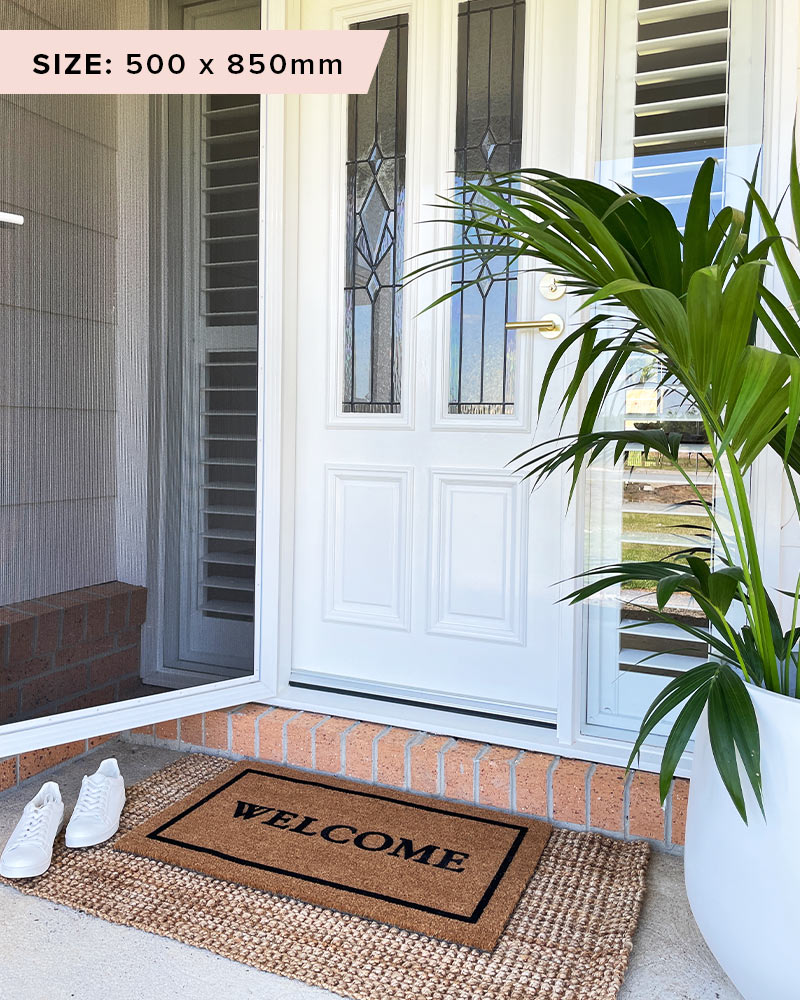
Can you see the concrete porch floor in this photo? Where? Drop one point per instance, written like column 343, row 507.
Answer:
column 52, row 952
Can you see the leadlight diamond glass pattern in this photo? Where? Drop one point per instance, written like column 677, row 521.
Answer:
column 376, row 149
column 491, row 35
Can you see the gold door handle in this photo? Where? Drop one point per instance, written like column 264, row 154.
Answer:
column 550, row 326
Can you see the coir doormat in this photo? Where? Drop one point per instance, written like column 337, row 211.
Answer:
column 446, row 870
column 568, row 938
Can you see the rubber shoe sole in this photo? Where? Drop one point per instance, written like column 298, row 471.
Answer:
column 30, row 871
column 74, row 841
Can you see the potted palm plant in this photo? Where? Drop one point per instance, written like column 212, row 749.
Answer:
column 693, row 300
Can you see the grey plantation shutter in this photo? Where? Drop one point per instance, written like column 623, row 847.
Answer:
column 228, row 391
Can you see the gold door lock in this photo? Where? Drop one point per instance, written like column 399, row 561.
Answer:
column 550, row 326
column 551, row 288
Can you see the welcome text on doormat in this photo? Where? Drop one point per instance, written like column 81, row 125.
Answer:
column 441, row 869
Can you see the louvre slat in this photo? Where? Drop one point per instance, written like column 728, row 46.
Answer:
column 230, row 137
column 678, row 43
column 229, row 413
column 234, row 238
column 230, row 558
column 661, row 539
column 679, row 11
column 229, row 437
column 664, row 510
column 229, row 534
column 242, row 111
column 238, row 608
column 238, row 312
column 679, row 199
column 663, row 478
column 667, row 664
column 230, row 485
column 659, row 630
column 244, row 463
column 643, row 171
column 228, row 263
column 231, row 213
column 229, row 388
column 233, row 509
column 229, row 583
column 651, row 668
column 681, row 74
column 686, row 136
column 228, row 188
column 680, row 104
column 236, row 161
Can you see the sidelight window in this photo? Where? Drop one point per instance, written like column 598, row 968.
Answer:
column 683, row 81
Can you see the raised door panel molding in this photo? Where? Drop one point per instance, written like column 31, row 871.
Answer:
column 368, row 545
column 477, row 587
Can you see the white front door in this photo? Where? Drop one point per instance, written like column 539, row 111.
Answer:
column 423, row 568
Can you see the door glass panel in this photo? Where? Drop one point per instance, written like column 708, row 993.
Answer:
column 491, row 35
column 376, row 165
column 128, row 355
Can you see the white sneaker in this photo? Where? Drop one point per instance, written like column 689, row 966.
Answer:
column 97, row 812
column 30, row 847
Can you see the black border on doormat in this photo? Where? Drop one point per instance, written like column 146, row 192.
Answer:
column 472, row 918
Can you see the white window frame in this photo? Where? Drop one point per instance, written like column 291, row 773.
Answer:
column 747, row 58
column 780, row 96
column 276, row 430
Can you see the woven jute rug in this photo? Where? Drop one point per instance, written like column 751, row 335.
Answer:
column 568, row 938
column 443, row 869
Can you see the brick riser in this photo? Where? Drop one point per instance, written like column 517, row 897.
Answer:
column 568, row 792
column 72, row 650
column 15, row 770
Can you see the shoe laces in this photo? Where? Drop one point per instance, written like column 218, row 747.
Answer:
column 35, row 828
column 92, row 798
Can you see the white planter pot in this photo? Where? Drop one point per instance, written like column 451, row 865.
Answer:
column 743, row 881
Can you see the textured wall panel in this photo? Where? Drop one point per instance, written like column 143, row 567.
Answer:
column 58, row 274
column 78, row 15
column 55, row 361
column 55, row 547
column 52, row 454
column 84, row 195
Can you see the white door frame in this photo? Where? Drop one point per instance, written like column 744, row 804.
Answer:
column 567, row 738
column 275, row 491
column 564, row 737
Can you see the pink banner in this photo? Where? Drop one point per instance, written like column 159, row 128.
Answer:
column 188, row 62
